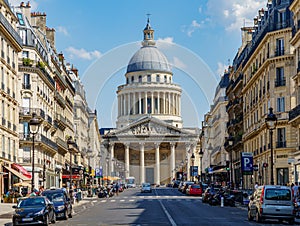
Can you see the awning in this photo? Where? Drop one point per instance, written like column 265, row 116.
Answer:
column 76, row 176
column 223, row 170
column 21, row 170
column 15, row 172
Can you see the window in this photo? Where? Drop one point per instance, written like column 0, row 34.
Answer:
column 132, row 79
column 280, row 80
column 26, row 81
column 21, row 20
column 280, row 104
column 281, row 20
column 25, row 54
column 127, row 81
column 165, row 78
column 279, row 47
column 148, row 78
column 157, row 78
column 281, row 139
column 140, row 78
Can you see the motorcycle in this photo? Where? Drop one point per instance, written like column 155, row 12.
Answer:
column 229, row 200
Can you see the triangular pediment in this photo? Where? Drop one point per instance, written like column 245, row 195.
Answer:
column 150, row 126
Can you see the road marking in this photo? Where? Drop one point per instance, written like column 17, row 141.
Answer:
column 112, row 200
column 122, row 200
column 103, row 201
column 167, row 213
column 131, row 200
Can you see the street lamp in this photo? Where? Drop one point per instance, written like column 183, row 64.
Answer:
column 200, row 157
column 230, row 143
column 271, row 121
column 70, row 143
column 186, row 168
column 192, row 171
column 34, row 125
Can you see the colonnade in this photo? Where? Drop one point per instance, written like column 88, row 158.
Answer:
column 149, row 103
column 157, row 171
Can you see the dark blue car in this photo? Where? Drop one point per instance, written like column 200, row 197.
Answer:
column 61, row 201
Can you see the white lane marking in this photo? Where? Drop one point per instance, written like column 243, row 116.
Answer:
column 122, row 200
column 112, row 200
column 167, row 213
column 103, row 201
column 131, row 200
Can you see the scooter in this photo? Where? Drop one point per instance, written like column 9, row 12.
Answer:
column 229, row 200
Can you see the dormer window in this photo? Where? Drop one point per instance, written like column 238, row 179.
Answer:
column 21, row 20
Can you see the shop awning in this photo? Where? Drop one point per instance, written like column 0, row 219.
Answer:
column 73, row 176
column 16, row 173
column 21, row 169
column 223, row 170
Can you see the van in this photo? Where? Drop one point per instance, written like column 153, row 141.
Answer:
column 272, row 202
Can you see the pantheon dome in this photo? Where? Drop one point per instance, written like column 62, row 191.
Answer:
column 148, row 58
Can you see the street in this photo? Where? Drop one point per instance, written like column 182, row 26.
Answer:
column 164, row 206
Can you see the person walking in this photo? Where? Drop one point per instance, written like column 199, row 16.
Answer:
column 117, row 188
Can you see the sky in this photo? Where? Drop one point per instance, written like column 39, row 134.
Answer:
column 200, row 38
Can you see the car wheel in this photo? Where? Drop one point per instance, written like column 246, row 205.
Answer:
column 258, row 217
column 53, row 219
column 250, row 217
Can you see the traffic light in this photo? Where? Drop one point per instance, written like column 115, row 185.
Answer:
column 227, row 165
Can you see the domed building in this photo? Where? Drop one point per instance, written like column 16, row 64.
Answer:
column 150, row 142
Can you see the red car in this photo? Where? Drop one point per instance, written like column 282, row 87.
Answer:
column 194, row 189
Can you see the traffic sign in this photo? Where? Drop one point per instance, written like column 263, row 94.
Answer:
column 247, row 163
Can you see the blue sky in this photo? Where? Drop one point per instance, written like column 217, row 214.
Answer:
column 200, row 38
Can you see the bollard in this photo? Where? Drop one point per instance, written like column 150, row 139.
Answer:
column 222, row 201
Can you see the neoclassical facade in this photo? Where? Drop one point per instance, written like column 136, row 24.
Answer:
column 150, row 142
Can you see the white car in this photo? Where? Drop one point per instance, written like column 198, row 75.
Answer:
column 146, row 187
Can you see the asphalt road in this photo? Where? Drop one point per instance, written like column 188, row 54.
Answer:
column 164, row 206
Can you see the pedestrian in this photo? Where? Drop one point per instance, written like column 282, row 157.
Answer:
column 117, row 188
column 256, row 185
column 295, row 190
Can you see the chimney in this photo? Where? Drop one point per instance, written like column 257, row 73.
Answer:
column 75, row 71
column 39, row 20
column 50, row 34
column 61, row 58
column 25, row 9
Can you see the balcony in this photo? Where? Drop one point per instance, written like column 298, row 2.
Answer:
column 26, row 86
column 60, row 99
column 280, row 82
column 294, row 113
column 279, row 52
column 10, row 29
column 281, row 144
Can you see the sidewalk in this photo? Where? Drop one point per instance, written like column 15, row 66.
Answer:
column 6, row 210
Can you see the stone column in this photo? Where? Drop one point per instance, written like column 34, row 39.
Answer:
column 188, row 155
column 157, row 164
column 172, row 160
column 152, row 103
column 119, row 106
column 128, row 103
column 142, row 162
column 158, row 103
column 111, row 162
column 134, row 104
column 140, row 103
column 127, row 160
column 164, row 103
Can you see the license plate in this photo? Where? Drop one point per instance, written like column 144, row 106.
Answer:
column 27, row 219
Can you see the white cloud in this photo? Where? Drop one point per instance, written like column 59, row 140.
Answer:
column 168, row 40
column 164, row 43
column 193, row 27
column 63, row 30
column 221, row 68
column 232, row 14
column 33, row 3
column 82, row 53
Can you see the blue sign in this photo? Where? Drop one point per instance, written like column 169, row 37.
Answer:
column 98, row 172
column 247, row 163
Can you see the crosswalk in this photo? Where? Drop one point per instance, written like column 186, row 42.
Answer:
column 124, row 199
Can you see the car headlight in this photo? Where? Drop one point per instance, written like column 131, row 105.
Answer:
column 41, row 212
column 59, row 208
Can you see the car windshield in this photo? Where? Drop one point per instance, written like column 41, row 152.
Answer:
column 55, row 197
column 195, row 186
column 278, row 194
column 146, row 185
column 36, row 202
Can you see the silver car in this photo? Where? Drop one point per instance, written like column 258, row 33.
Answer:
column 272, row 202
column 146, row 187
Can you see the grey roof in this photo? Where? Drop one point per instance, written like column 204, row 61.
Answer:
column 148, row 58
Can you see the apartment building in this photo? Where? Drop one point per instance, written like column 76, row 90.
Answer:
column 10, row 46
column 267, row 69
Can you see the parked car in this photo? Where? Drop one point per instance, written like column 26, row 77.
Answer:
column 194, row 189
column 272, row 202
column 34, row 210
column 61, row 201
column 146, row 187
column 175, row 183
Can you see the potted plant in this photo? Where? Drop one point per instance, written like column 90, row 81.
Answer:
column 27, row 62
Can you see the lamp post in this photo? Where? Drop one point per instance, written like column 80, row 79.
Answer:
column 186, row 168
column 230, row 142
column 200, row 157
column 192, row 171
column 70, row 143
column 34, row 125
column 271, row 122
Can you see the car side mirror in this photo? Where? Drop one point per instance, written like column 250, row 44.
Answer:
column 14, row 206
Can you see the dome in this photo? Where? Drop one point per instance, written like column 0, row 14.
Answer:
column 148, row 58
